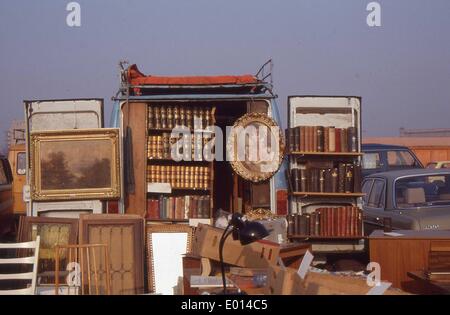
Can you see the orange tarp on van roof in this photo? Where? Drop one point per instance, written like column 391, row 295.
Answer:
column 136, row 77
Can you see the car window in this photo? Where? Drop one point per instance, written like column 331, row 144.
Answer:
column 371, row 160
column 423, row 191
column 366, row 186
column 376, row 199
column 3, row 176
column 400, row 158
column 21, row 163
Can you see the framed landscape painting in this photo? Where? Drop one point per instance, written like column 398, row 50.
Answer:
column 75, row 164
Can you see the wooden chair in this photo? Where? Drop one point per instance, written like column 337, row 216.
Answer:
column 94, row 275
column 31, row 260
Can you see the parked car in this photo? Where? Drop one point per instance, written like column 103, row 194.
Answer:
column 438, row 164
column 414, row 199
column 6, row 198
column 382, row 158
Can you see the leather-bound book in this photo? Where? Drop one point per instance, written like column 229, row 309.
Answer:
column 337, row 221
column 332, row 139
column 349, row 178
column 304, row 180
column 359, row 223
column 295, row 177
column 330, row 221
column 315, row 139
column 170, row 117
column 163, row 117
column 310, row 136
column 152, row 209
column 314, row 180
column 312, row 224
column 317, row 224
column 322, row 180
column 307, row 138
column 297, row 224
column 295, row 139
column 320, row 215
column 326, row 139
column 341, row 177
column 320, row 131
column 150, row 118
column 157, row 117
column 337, row 137
column 166, row 145
column 334, row 180
column 327, row 180
column 305, row 225
column 291, row 224
column 302, row 137
column 352, row 219
column 352, row 139
column 189, row 120
column 182, row 116
column 290, row 138
column 357, row 178
column 344, row 138
column 176, row 116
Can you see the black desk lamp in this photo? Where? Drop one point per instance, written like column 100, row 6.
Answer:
column 245, row 231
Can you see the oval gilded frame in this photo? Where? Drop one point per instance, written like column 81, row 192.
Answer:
column 257, row 170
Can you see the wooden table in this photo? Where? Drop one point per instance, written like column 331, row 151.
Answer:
column 433, row 286
column 400, row 254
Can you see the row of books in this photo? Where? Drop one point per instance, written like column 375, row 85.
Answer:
column 322, row 139
column 179, row 208
column 168, row 116
column 179, row 176
column 327, row 222
column 344, row 178
column 194, row 147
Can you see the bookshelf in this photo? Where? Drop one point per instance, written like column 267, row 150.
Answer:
column 324, row 173
column 191, row 179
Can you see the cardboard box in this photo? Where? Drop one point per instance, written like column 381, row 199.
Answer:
column 288, row 282
column 260, row 254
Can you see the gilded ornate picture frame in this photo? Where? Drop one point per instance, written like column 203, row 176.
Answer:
column 255, row 147
column 165, row 260
column 75, row 164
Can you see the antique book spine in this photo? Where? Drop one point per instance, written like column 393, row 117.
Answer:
column 310, row 136
column 296, row 139
column 291, row 224
column 344, row 138
column 157, row 117
column 317, row 224
column 306, row 225
column 352, row 139
column 150, row 118
column 337, row 141
column 312, row 220
column 159, row 147
column 207, row 118
column 170, row 124
column 207, row 177
column 357, row 178
column 321, row 223
column 359, row 222
column 326, row 139
column 306, row 140
column 182, row 116
column 188, row 113
column 302, row 137
column 191, row 177
column 334, row 180
column 321, row 180
column 176, row 116
column 348, row 178
column 166, row 145
column 163, row 117
column 295, row 177
column 341, row 177
column 187, row 207
column 297, row 224
column 327, row 180
column 352, row 221
column 290, row 138
column 304, row 180
column 320, row 138
column 195, row 124
column 332, row 139
column 314, row 139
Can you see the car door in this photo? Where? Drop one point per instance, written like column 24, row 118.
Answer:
column 374, row 204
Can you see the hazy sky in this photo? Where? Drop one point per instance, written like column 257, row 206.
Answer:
column 324, row 47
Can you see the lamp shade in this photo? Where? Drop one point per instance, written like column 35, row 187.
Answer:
column 251, row 232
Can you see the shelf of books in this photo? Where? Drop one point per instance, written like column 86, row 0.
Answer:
column 324, row 175
column 176, row 158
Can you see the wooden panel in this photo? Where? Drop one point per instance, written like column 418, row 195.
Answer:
column 124, row 235
column 135, row 117
column 398, row 256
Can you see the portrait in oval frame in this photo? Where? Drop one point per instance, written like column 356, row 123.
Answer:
column 255, row 147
